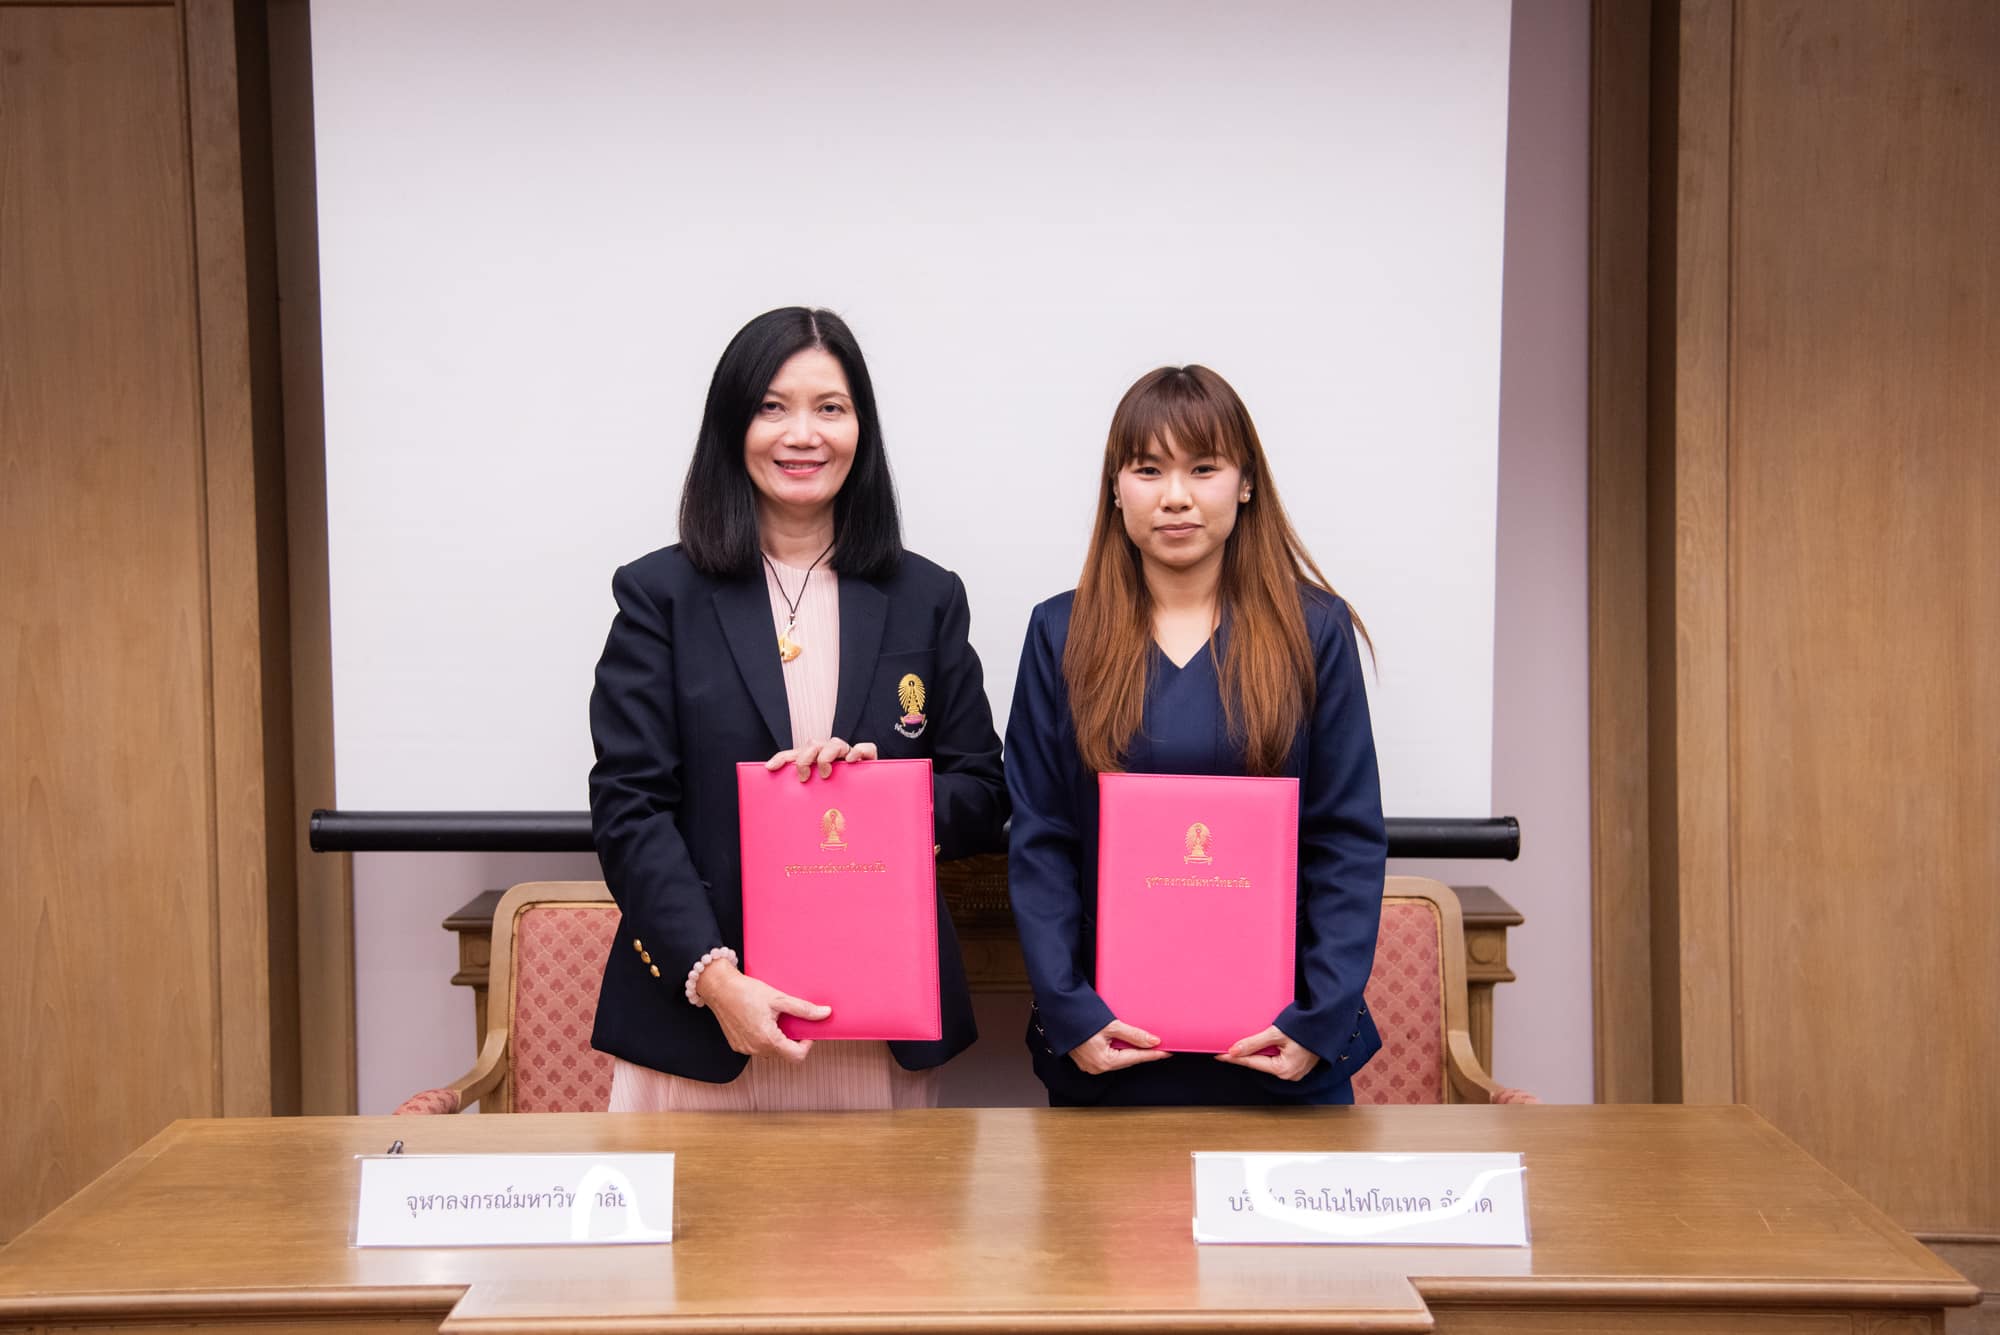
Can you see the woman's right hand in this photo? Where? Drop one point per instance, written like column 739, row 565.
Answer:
column 822, row 754
column 1095, row 1055
column 748, row 1009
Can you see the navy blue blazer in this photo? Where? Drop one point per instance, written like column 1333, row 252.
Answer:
column 1052, row 865
column 690, row 684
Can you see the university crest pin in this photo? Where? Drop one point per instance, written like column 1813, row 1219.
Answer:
column 910, row 694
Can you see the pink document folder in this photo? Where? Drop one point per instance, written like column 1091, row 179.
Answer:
column 840, row 896
column 1197, row 895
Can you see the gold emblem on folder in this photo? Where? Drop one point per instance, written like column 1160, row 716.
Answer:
column 1197, row 844
column 910, row 695
column 832, row 831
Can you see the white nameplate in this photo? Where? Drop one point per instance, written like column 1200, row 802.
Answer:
column 1406, row 1200
column 502, row 1200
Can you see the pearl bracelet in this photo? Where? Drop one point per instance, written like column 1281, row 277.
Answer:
column 694, row 974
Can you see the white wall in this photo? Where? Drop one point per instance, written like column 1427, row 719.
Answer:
column 415, row 1029
column 539, row 223
column 1541, row 687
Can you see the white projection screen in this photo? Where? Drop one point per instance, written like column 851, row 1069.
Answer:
column 540, row 222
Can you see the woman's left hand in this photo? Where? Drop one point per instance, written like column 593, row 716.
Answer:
column 1291, row 1061
column 822, row 754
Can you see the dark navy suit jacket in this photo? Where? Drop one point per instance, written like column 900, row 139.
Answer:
column 689, row 685
column 1052, row 865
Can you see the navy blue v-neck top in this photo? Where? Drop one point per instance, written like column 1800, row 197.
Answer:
column 1052, row 859
column 1185, row 730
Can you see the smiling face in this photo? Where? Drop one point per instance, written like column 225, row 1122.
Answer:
column 802, row 437
column 1179, row 508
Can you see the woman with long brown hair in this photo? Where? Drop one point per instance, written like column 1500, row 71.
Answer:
column 1200, row 639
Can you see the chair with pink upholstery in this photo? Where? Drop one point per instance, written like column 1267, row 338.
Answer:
column 550, row 940
column 1417, row 995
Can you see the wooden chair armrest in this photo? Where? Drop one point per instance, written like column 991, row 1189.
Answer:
column 1468, row 1078
column 486, row 1073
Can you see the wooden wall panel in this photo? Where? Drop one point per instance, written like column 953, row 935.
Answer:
column 1620, row 850
column 1836, row 157
column 146, row 904
column 1823, row 614
column 107, row 949
column 245, row 528
column 1687, row 539
column 1864, row 613
column 325, row 880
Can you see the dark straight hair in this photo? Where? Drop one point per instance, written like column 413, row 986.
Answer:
column 719, row 502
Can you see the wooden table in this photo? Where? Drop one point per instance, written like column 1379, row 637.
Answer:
column 975, row 890
column 979, row 1221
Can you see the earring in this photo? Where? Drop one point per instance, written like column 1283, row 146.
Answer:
column 1118, row 502
column 1244, row 499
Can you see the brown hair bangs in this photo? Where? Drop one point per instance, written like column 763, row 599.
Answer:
column 1180, row 405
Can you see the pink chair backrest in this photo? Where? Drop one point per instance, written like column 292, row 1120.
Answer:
column 559, row 954
column 1405, row 995
column 560, row 949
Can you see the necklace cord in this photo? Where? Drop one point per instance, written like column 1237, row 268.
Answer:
column 791, row 603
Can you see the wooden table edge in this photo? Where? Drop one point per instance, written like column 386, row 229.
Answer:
column 1293, row 1322
column 108, row 1180
column 1867, row 1212
column 424, row 1300
column 1483, row 1291
column 441, row 1302
column 1614, row 1291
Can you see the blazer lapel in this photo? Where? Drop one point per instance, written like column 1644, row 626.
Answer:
column 864, row 609
column 744, row 608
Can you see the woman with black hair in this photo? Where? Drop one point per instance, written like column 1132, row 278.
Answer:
column 788, row 625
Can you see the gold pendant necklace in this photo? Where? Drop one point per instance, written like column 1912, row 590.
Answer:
column 789, row 648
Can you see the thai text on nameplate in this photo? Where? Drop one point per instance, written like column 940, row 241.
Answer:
column 1462, row 1200
column 503, row 1200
